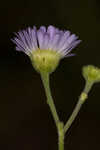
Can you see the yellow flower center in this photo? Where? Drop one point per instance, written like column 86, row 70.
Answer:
column 45, row 61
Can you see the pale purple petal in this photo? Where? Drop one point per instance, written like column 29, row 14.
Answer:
column 69, row 42
column 70, row 55
column 48, row 39
column 64, row 38
column 68, row 50
column 34, row 40
column 40, row 36
column 55, row 41
column 51, row 31
column 43, row 28
column 72, row 38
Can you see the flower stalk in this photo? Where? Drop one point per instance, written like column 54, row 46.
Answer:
column 77, row 108
column 50, row 102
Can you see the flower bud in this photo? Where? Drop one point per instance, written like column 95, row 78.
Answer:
column 91, row 73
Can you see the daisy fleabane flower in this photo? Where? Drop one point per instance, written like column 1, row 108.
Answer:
column 45, row 47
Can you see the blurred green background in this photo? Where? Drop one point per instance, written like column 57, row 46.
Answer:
column 25, row 119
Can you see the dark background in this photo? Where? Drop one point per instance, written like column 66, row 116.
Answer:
column 25, row 119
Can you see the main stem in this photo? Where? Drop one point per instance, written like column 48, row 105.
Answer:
column 59, row 125
column 61, row 136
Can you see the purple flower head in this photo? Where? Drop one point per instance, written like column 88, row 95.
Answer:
column 52, row 38
column 45, row 47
